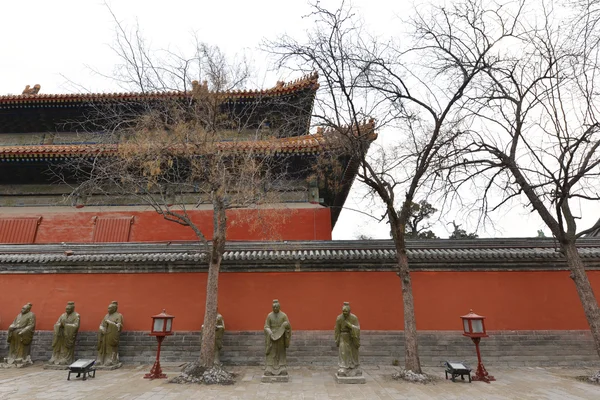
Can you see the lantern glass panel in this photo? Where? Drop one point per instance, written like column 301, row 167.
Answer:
column 466, row 325
column 158, row 325
column 169, row 321
column 477, row 325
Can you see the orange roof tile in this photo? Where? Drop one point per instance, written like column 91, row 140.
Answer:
column 366, row 127
column 307, row 82
column 297, row 144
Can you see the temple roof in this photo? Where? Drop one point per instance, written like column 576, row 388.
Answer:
column 441, row 254
column 282, row 88
column 30, row 123
column 288, row 104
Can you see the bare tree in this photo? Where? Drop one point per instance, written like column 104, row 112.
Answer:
column 174, row 161
column 535, row 133
column 179, row 144
column 146, row 69
column 414, row 90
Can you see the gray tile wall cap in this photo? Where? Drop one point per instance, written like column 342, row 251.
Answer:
column 321, row 251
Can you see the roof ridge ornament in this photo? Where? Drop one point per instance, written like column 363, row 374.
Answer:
column 32, row 90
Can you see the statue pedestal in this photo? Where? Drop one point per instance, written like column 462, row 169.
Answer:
column 108, row 367
column 350, row 379
column 16, row 363
column 274, row 378
column 56, row 367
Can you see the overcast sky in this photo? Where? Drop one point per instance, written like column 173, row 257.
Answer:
column 59, row 44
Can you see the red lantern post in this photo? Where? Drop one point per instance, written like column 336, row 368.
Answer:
column 162, row 325
column 474, row 327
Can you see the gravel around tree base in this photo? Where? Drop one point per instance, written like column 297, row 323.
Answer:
column 595, row 378
column 410, row 376
column 195, row 373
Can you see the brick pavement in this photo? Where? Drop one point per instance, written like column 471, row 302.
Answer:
column 305, row 383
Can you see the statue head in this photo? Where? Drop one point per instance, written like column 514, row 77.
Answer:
column 112, row 307
column 276, row 306
column 26, row 308
column 346, row 309
column 70, row 307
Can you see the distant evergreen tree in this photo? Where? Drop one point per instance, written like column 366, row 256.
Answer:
column 420, row 212
column 461, row 233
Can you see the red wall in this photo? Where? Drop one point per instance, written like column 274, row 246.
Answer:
column 541, row 300
column 244, row 224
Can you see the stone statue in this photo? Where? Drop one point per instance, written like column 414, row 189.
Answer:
column 65, row 333
column 20, row 335
column 108, row 338
column 219, row 331
column 278, row 333
column 347, row 339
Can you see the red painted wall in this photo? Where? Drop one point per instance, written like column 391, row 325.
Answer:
column 244, row 224
column 541, row 300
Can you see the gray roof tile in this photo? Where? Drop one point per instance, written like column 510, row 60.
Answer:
column 476, row 251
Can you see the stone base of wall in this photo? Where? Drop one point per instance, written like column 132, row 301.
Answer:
column 506, row 348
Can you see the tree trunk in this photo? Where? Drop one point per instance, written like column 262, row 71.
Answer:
column 411, row 347
column 207, row 348
column 584, row 290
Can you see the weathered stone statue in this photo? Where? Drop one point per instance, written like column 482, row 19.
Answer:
column 20, row 335
column 219, row 331
column 108, row 338
column 347, row 339
column 65, row 334
column 278, row 333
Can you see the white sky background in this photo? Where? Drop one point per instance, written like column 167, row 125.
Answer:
column 55, row 42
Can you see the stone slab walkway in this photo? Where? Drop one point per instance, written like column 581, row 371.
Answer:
column 305, row 383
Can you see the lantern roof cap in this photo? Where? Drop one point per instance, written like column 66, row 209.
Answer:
column 472, row 315
column 163, row 314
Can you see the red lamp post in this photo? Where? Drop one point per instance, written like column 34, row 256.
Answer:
column 162, row 325
column 474, row 328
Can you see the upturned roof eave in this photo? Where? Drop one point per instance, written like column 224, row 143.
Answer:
column 310, row 143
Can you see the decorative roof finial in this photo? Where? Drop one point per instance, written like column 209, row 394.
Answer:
column 32, row 90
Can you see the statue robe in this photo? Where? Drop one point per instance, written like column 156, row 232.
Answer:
column 347, row 338
column 219, row 332
column 20, row 345
column 108, row 340
column 277, row 342
column 63, row 343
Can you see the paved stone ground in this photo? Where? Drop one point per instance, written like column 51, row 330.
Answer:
column 305, row 383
